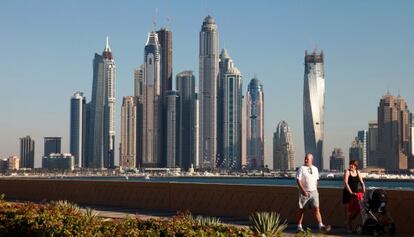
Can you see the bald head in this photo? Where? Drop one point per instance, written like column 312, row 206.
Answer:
column 308, row 159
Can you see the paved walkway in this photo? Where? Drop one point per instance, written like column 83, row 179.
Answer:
column 108, row 212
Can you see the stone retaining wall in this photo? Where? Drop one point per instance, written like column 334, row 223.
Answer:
column 209, row 199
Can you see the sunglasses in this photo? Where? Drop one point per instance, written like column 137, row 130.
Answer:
column 310, row 170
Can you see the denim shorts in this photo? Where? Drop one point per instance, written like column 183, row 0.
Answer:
column 310, row 201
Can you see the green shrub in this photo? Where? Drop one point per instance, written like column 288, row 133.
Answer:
column 267, row 224
column 67, row 219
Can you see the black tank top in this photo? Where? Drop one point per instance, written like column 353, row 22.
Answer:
column 353, row 182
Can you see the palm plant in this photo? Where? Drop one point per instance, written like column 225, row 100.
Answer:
column 207, row 220
column 267, row 224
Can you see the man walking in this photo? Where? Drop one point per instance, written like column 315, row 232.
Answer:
column 307, row 177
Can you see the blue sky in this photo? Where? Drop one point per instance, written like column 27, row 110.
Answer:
column 47, row 47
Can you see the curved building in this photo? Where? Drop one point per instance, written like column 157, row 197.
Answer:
column 314, row 106
column 209, row 70
column 255, row 125
column 283, row 153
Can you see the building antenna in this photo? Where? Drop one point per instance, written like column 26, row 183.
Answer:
column 169, row 20
column 154, row 20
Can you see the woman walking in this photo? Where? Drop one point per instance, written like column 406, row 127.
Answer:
column 351, row 194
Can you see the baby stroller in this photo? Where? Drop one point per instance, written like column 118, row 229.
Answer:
column 375, row 219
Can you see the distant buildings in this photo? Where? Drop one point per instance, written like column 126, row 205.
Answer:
column 393, row 133
column 283, row 151
column 78, row 128
column 314, row 106
column 372, row 144
column 127, row 157
column 58, row 162
column 52, row 145
column 187, row 125
column 356, row 152
column 101, row 131
column 363, row 139
column 255, row 125
column 27, row 152
column 10, row 164
column 209, row 71
column 173, row 118
column 337, row 160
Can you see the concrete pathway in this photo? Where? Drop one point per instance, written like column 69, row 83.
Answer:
column 109, row 212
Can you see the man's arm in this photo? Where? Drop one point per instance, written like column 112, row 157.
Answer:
column 302, row 190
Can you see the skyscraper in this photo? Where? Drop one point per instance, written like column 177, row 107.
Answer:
column 243, row 134
column 337, row 160
column 393, row 133
column 165, row 41
column 152, row 104
column 356, row 151
column 283, row 151
column 314, row 106
column 185, row 85
column 138, row 92
column 101, row 133
column 411, row 161
column 173, row 118
column 27, row 151
column 372, row 143
column 363, row 139
column 127, row 157
column 78, row 128
column 255, row 124
column 52, row 145
column 230, row 114
column 209, row 69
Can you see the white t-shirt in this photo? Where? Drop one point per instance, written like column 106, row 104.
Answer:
column 308, row 176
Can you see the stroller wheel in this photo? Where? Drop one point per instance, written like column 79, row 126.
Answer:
column 375, row 232
column 392, row 229
column 359, row 230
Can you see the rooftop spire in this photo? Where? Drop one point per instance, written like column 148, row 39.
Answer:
column 107, row 53
column 107, row 48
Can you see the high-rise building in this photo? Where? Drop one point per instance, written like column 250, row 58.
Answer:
column 255, row 125
column 138, row 92
column 411, row 161
column 314, row 106
column 243, row 134
column 363, row 139
column 393, row 133
column 197, row 131
column 52, row 145
column 151, row 104
column 229, row 135
column 78, row 128
column 372, row 143
column 101, row 134
column 27, row 151
column 173, row 118
column 283, row 151
column 185, row 85
column 356, row 151
column 209, row 70
column 127, row 157
column 165, row 41
column 337, row 160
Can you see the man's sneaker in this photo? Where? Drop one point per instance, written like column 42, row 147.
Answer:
column 325, row 229
column 300, row 230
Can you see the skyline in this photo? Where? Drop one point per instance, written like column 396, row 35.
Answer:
column 45, row 61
